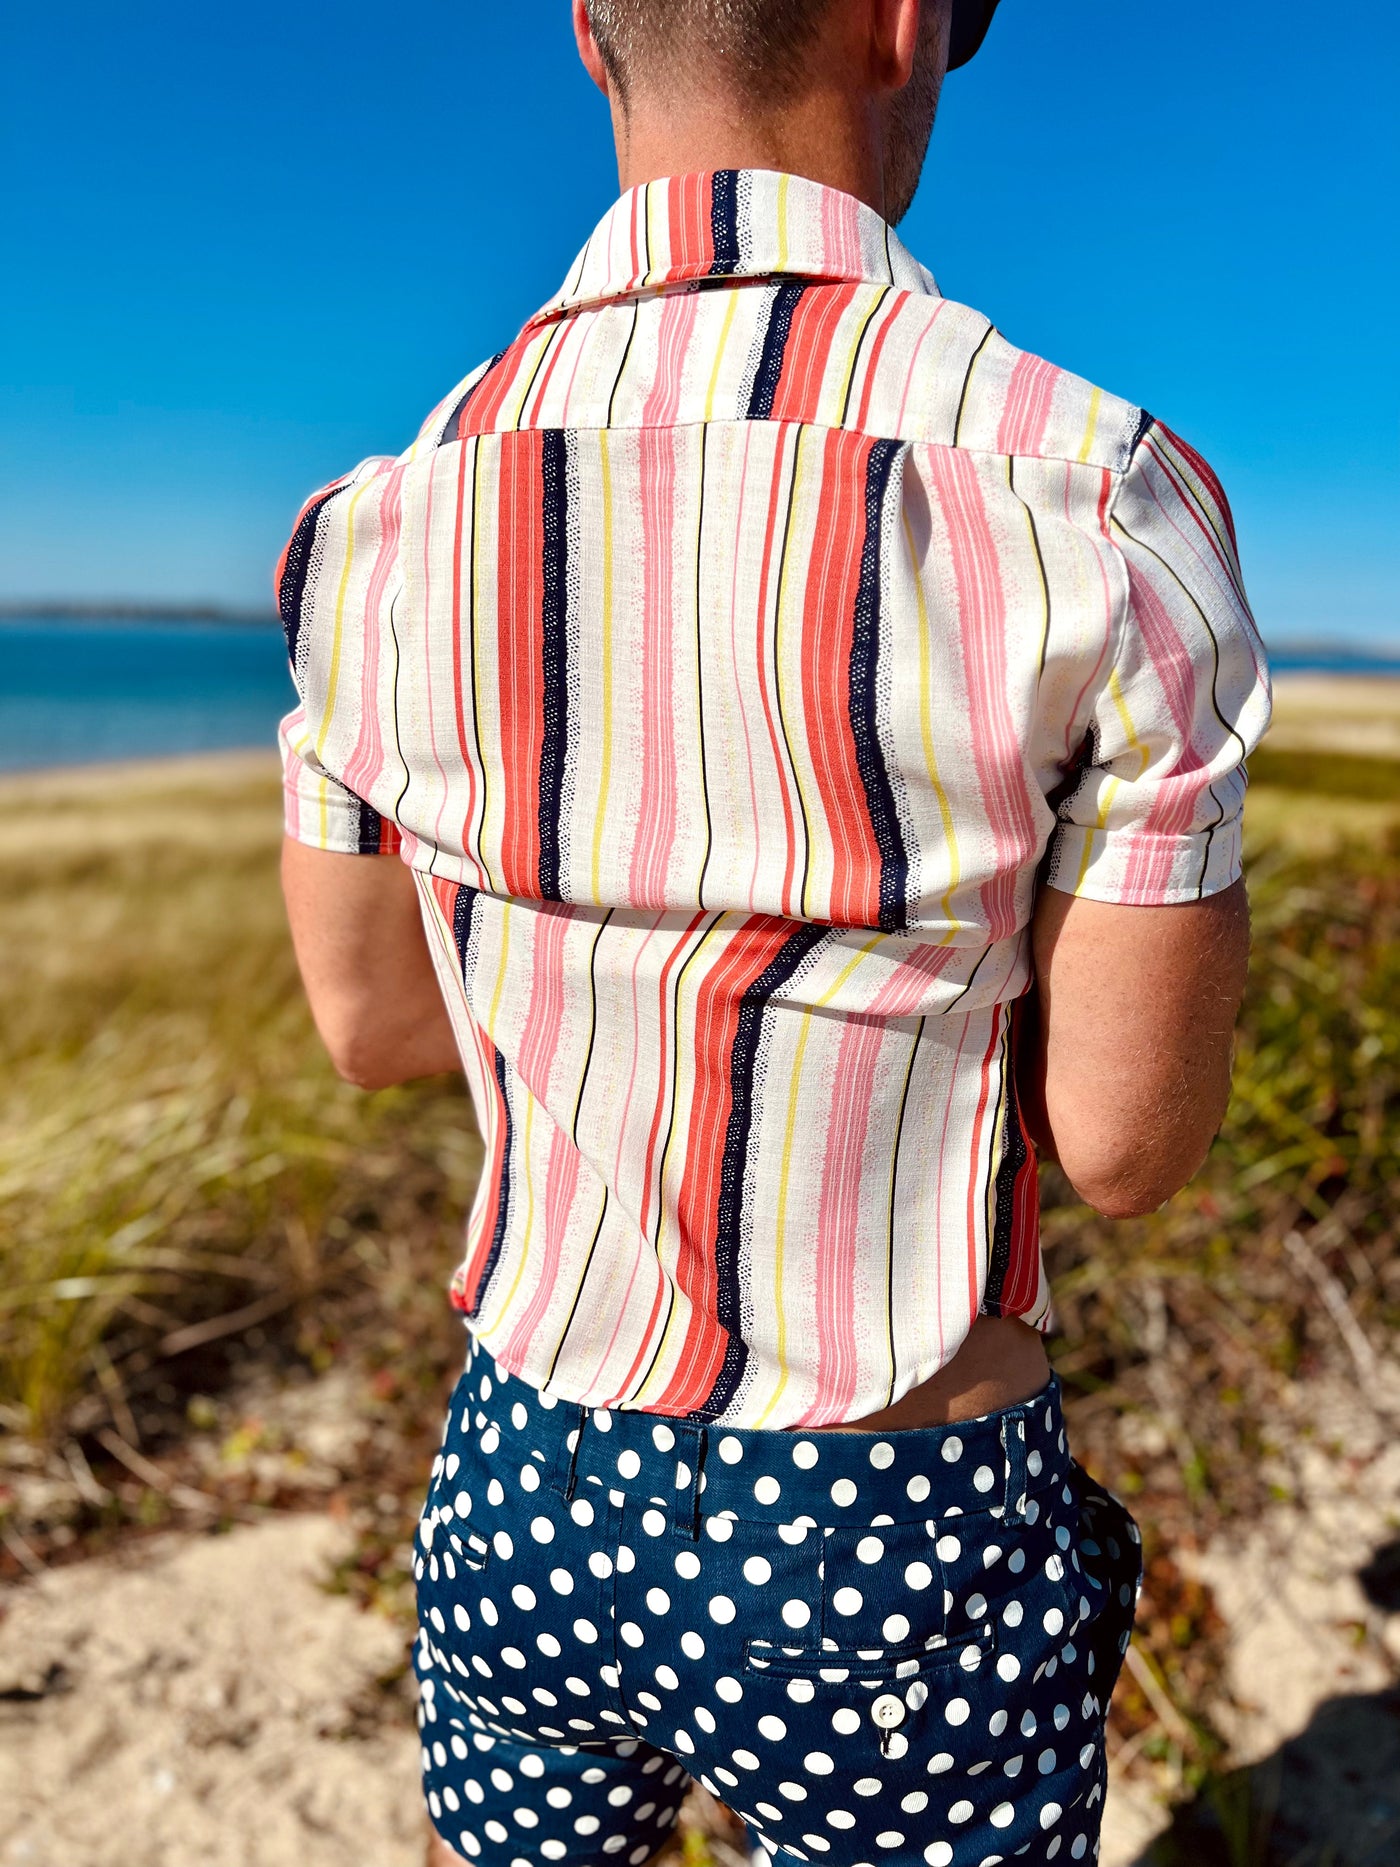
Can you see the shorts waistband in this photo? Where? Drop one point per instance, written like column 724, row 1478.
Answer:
column 998, row 1463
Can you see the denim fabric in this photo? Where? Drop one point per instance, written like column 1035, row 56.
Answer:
column 876, row 1649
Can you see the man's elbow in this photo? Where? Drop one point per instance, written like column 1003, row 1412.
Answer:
column 1131, row 1183
column 357, row 1052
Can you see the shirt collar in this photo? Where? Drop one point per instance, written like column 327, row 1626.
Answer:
column 734, row 224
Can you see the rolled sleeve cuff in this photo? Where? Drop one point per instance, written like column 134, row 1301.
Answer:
column 321, row 812
column 1145, row 868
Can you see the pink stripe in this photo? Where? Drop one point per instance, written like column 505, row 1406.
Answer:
column 997, row 751
column 367, row 760
column 1028, row 401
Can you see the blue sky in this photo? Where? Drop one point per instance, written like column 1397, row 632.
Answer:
column 248, row 246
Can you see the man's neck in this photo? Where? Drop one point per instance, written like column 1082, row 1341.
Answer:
column 820, row 137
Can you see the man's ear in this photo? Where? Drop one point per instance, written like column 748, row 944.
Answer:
column 588, row 47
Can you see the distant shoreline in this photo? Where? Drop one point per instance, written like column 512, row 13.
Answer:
column 119, row 613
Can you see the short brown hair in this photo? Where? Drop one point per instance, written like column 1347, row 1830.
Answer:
column 759, row 43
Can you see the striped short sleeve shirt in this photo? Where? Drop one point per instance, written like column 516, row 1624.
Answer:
column 730, row 659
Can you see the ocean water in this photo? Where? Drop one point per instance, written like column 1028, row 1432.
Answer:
column 75, row 692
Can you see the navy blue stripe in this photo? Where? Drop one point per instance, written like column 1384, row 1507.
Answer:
column 724, row 221
column 297, row 568
column 742, row 1065
column 775, row 338
column 369, row 827
column 462, row 910
column 865, row 656
column 1013, row 1158
column 498, row 1236
column 554, row 656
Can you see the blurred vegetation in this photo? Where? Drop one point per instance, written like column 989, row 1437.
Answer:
column 187, row 1193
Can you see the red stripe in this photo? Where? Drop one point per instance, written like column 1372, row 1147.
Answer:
column 828, row 625
column 520, row 671
column 815, row 322
column 749, row 952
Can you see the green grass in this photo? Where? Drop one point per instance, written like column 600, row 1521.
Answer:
column 1327, row 774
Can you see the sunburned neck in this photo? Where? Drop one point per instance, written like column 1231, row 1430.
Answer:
column 822, row 136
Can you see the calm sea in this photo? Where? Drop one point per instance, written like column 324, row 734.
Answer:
column 74, row 692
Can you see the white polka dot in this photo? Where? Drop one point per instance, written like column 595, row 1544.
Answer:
column 745, row 1759
column 730, row 1449
column 817, row 1763
column 600, row 1565
column 869, row 1549
column 684, row 1743
column 1080, row 1848
column 914, row 1804
column 758, row 1570
column 957, row 1711
column 720, row 1528
column 917, row 1696
column 882, row 1455
column 848, row 1601
column 722, row 1609
column 940, row 1764
column 939, row 1854
column 1050, row 1814
column 1008, row 1667
column 918, row 1575
column 796, row 1614
column 947, row 1549
column 843, row 1492
column 767, row 1490
column 793, row 1533
column 663, row 1438
column 804, row 1455
column 490, row 1439
column 1002, row 1815
column 488, row 1611
column 585, row 1631
column 793, row 1791
column 602, row 1420
column 462, row 1504
column 524, row 1598
column 654, row 1522
column 983, row 1478
column 628, row 1464
column 692, row 1645
column 840, row 1818
column 632, row 1634
column 801, row 1691
column 917, row 1488
column 891, row 1838
column 529, row 1477
column 1013, row 1614
column 960, row 1812
column 846, row 1721
column 1086, row 1756
column 495, row 1492
column 895, row 1629
column 542, row 1529
column 561, row 1581
column 687, row 1565
column 952, row 1449
column 772, row 1728
column 728, row 1689
column 497, row 1831
column 1053, row 1621
column 582, row 1512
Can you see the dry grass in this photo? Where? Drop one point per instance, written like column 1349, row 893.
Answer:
column 184, row 1188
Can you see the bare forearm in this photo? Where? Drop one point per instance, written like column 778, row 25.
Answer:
column 1128, row 1073
column 364, row 960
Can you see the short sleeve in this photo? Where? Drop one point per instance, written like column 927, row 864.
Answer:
column 1178, row 704
column 334, row 582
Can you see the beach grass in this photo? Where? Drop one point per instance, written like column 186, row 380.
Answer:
column 185, row 1186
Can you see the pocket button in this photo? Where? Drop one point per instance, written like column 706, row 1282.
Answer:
column 888, row 1711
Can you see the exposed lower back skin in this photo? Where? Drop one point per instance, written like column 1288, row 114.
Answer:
column 1002, row 1362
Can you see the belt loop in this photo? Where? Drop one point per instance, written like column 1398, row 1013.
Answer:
column 570, row 1444
column 685, row 1510
column 1013, row 1445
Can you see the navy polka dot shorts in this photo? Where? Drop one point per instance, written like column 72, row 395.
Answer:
column 876, row 1649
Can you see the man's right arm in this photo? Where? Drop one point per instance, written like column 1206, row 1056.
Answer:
column 1128, row 1074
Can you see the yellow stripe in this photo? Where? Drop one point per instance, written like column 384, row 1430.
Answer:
column 945, row 809
column 334, row 678
column 807, row 815
column 1091, row 424
column 601, row 812
column 856, row 343
column 733, row 300
column 528, row 372
column 1112, row 787
column 789, row 1150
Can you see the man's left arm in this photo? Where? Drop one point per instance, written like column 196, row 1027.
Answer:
column 364, row 959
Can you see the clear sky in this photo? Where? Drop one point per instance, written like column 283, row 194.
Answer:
column 246, row 246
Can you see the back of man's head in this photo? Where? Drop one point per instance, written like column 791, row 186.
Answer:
column 759, row 45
